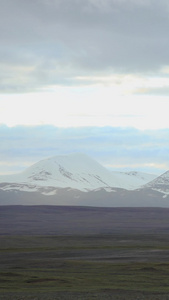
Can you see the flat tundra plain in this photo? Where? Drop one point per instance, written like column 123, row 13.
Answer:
column 57, row 252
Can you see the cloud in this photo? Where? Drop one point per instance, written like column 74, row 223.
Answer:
column 159, row 91
column 50, row 42
column 118, row 148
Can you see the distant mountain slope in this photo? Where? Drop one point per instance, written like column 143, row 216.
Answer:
column 133, row 179
column 97, row 198
column 74, row 171
column 160, row 184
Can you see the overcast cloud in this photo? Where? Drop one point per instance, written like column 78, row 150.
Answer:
column 98, row 68
column 50, row 42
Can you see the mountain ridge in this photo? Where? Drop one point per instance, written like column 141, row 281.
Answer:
column 160, row 183
column 76, row 171
column 77, row 179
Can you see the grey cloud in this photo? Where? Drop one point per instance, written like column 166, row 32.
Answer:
column 60, row 40
column 110, row 146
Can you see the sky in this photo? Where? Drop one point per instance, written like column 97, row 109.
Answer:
column 88, row 76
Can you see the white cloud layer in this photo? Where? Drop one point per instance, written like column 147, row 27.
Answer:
column 87, row 106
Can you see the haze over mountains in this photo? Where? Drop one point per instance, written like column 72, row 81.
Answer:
column 77, row 179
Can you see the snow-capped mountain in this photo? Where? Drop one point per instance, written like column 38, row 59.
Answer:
column 160, row 184
column 74, row 171
column 77, row 179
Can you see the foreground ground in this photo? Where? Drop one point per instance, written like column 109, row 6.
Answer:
column 124, row 260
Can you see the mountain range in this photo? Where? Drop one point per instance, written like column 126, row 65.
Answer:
column 77, row 179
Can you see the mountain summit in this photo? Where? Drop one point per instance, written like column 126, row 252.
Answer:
column 77, row 179
column 75, row 171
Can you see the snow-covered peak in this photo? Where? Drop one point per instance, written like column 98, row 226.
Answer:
column 160, row 183
column 160, row 180
column 75, row 171
column 75, row 163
